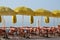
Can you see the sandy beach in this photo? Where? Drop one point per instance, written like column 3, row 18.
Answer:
column 33, row 38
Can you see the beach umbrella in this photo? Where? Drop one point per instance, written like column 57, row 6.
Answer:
column 56, row 13
column 46, row 20
column 14, row 19
column 43, row 12
column 31, row 19
column 24, row 11
column 6, row 11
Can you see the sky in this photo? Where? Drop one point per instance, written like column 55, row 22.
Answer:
column 33, row 4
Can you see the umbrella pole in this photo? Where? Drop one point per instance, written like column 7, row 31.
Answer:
column 47, row 31
column 38, row 22
column 41, row 21
column 54, row 25
column 4, row 27
column 22, row 20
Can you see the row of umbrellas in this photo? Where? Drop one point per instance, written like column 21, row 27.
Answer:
column 6, row 11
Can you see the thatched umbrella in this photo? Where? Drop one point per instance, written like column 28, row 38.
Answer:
column 56, row 13
column 43, row 12
column 5, row 11
column 25, row 11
